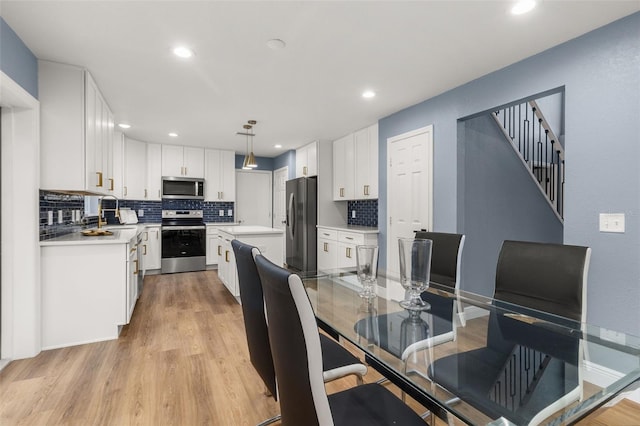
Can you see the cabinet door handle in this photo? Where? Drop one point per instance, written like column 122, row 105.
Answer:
column 326, row 247
column 348, row 238
column 366, row 190
column 304, row 170
column 219, row 253
column 137, row 270
column 185, row 170
column 144, row 247
column 158, row 193
column 145, row 193
column 146, row 235
column 348, row 252
column 99, row 185
column 110, row 184
column 125, row 191
column 226, row 255
column 342, row 192
column 326, row 235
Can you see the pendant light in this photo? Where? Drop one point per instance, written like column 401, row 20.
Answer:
column 245, row 163
column 251, row 161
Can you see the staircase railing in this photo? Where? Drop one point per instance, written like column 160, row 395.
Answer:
column 538, row 147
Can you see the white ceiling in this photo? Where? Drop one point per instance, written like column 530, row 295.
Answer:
column 405, row 51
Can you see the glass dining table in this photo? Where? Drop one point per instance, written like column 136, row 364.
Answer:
column 498, row 364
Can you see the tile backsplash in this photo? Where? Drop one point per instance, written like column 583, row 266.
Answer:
column 152, row 212
column 366, row 212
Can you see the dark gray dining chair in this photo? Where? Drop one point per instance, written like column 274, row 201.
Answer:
column 527, row 371
column 297, row 355
column 337, row 361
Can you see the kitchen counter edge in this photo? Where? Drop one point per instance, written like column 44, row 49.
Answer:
column 351, row 228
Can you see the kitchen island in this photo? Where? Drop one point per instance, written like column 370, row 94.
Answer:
column 270, row 242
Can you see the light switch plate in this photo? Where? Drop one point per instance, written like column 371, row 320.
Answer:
column 353, row 214
column 612, row 222
column 230, row 212
column 220, row 212
column 50, row 217
column 60, row 216
column 140, row 212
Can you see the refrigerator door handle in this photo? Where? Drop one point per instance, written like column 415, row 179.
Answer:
column 291, row 216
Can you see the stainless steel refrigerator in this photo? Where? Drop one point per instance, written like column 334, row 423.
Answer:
column 300, row 233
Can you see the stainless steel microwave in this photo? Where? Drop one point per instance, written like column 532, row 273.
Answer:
column 182, row 188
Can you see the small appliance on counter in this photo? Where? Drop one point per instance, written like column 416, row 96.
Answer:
column 183, row 241
column 127, row 216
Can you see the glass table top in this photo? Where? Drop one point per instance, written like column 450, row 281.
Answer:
column 498, row 362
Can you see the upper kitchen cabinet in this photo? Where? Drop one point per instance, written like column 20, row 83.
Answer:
column 135, row 170
column 219, row 175
column 307, row 160
column 76, row 131
column 366, row 163
column 355, row 171
column 343, row 171
column 154, row 172
column 185, row 161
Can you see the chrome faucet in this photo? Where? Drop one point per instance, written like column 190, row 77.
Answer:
column 100, row 210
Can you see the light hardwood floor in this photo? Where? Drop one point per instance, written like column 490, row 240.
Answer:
column 183, row 360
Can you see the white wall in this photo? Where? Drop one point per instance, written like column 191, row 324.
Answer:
column 21, row 317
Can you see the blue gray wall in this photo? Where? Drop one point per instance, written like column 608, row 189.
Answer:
column 287, row 159
column 599, row 72
column 17, row 61
column 501, row 202
column 264, row 163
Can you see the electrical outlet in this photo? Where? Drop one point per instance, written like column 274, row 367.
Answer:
column 50, row 217
column 220, row 212
column 353, row 214
column 612, row 222
column 60, row 216
column 140, row 213
column 73, row 216
column 230, row 212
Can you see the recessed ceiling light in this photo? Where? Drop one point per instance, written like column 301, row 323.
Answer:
column 124, row 125
column 277, row 146
column 368, row 94
column 183, row 52
column 523, row 6
column 173, row 135
column 276, row 44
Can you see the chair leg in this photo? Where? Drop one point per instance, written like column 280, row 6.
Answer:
column 271, row 420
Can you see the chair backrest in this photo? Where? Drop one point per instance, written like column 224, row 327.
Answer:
column 295, row 344
column 446, row 253
column 255, row 323
column 547, row 277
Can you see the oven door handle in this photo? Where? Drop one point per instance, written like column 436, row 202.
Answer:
column 180, row 228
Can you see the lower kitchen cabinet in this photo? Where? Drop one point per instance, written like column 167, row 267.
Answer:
column 337, row 246
column 227, row 264
column 213, row 246
column 88, row 291
column 152, row 248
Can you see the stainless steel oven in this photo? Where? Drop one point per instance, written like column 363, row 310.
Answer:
column 183, row 241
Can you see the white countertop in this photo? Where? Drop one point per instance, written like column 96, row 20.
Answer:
column 221, row 224
column 251, row 230
column 351, row 228
column 122, row 234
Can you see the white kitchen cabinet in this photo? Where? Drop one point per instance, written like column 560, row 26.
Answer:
column 152, row 248
column 327, row 249
column 307, row 160
column 219, row 175
column 133, row 267
column 135, row 169
column 75, row 126
column 366, row 163
column 343, row 171
column 117, row 159
column 355, row 171
column 185, row 161
column 270, row 242
column 337, row 246
column 154, row 172
column 88, row 291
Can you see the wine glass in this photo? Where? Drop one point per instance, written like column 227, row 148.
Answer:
column 415, row 270
column 367, row 266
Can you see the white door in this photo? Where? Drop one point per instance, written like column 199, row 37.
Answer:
column 253, row 197
column 409, row 189
column 280, row 178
